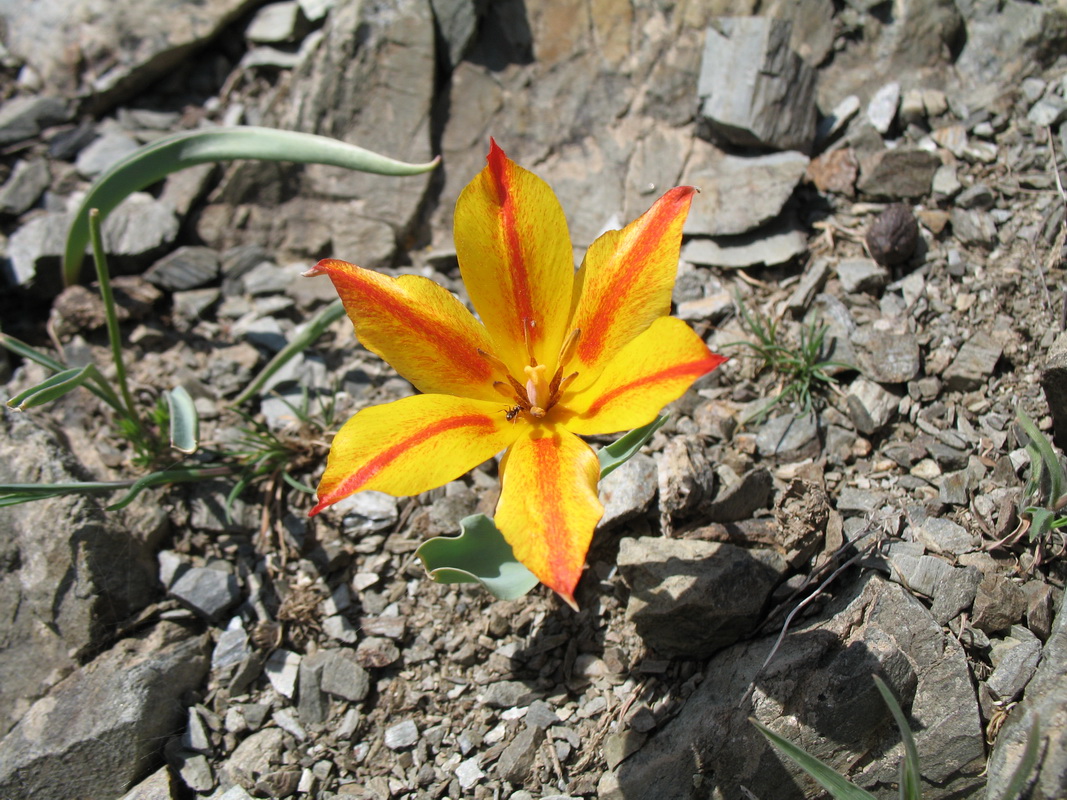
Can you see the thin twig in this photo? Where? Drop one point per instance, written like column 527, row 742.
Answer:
column 803, row 604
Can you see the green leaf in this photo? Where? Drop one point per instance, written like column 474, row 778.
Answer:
column 831, row 780
column 1026, row 764
column 478, row 555
column 169, row 154
column 619, row 452
column 910, row 782
column 184, row 421
column 51, row 388
column 1047, row 460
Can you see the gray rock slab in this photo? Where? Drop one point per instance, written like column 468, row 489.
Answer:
column 810, row 284
column 754, row 90
column 974, row 226
column 882, row 109
column 28, row 181
column 282, row 669
column 69, row 572
column 684, row 476
column 870, row 405
column 1045, row 700
column 998, row 605
column 862, row 275
column 138, row 230
column 401, row 735
column 125, row 45
column 507, row 694
column 103, row 152
column 343, row 677
column 1054, row 384
column 275, row 23
column 778, row 242
column 368, row 512
column 110, row 718
column 766, row 182
column 34, row 252
column 886, row 354
column 789, row 437
column 458, row 22
column 955, row 594
column 373, row 57
column 24, row 117
column 689, row 598
column 628, row 491
column 944, row 536
column 974, row 364
column 208, row 592
column 899, row 174
column 187, row 267
column 1016, row 661
column 313, row 704
column 740, row 500
column 817, row 692
column 517, row 761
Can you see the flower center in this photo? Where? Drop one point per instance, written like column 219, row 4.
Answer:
column 539, row 393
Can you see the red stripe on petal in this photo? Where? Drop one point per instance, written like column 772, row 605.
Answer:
column 688, row 370
column 368, row 471
column 500, row 167
column 454, row 347
column 656, row 226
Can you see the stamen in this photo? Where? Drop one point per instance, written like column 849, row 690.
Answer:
column 503, row 388
column 496, row 362
column 528, row 326
column 563, row 384
column 567, row 351
column 520, row 391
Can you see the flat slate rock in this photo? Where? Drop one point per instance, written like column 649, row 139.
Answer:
column 766, row 182
column 776, row 243
column 754, row 90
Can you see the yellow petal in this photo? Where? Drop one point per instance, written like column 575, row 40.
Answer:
column 419, row 327
column 651, row 371
column 412, row 445
column 516, row 260
column 548, row 504
column 626, row 281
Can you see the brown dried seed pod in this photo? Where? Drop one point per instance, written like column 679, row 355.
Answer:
column 893, row 236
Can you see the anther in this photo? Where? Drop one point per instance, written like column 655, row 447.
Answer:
column 567, row 351
column 496, row 362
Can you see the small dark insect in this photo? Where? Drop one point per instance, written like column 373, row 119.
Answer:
column 512, row 412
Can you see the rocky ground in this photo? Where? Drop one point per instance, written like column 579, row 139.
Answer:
column 885, row 175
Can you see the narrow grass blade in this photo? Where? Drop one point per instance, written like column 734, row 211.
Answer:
column 184, row 421
column 15, row 493
column 304, row 339
column 1026, row 764
column 103, row 276
column 622, row 450
column 831, row 780
column 167, row 476
column 169, row 154
column 910, row 781
column 51, row 388
column 20, row 348
column 478, row 555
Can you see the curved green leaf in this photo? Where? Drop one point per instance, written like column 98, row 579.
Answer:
column 52, row 387
column 619, row 452
column 184, row 421
column 831, row 780
column 478, row 555
column 169, row 154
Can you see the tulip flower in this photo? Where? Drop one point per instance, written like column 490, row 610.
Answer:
column 552, row 355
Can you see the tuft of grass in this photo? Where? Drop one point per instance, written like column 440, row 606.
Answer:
column 802, row 368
